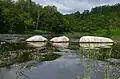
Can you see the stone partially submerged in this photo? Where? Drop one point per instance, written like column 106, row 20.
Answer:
column 60, row 39
column 36, row 38
column 95, row 39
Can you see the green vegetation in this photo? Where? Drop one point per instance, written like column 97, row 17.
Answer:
column 27, row 16
column 101, row 53
column 21, row 53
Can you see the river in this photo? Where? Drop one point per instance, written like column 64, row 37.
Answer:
column 46, row 60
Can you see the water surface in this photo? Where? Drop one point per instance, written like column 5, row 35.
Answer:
column 45, row 60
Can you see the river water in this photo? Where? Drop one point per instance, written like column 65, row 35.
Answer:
column 46, row 60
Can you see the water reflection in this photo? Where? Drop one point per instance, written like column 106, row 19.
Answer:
column 113, row 60
column 71, row 64
column 2, row 42
column 13, row 53
column 105, row 52
column 64, row 45
column 17, row 57
column 39, row 61
column 37, row 44
column 96, row 45
column 12, row 38
column 95, row 52
column 95, row 69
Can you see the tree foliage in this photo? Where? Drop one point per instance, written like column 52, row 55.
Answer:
column 25, row 15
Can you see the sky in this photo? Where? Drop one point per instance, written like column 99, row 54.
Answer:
column 71, row 6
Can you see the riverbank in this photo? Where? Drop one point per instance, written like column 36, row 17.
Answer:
column 103, row 32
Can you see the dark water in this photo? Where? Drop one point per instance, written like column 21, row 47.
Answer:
column 45, row 60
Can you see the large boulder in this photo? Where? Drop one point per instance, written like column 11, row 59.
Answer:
column 60, row 39
column 95, row 39
column 36, row 38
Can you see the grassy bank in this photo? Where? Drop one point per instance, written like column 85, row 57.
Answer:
column 37, row 32
column 104, row 32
